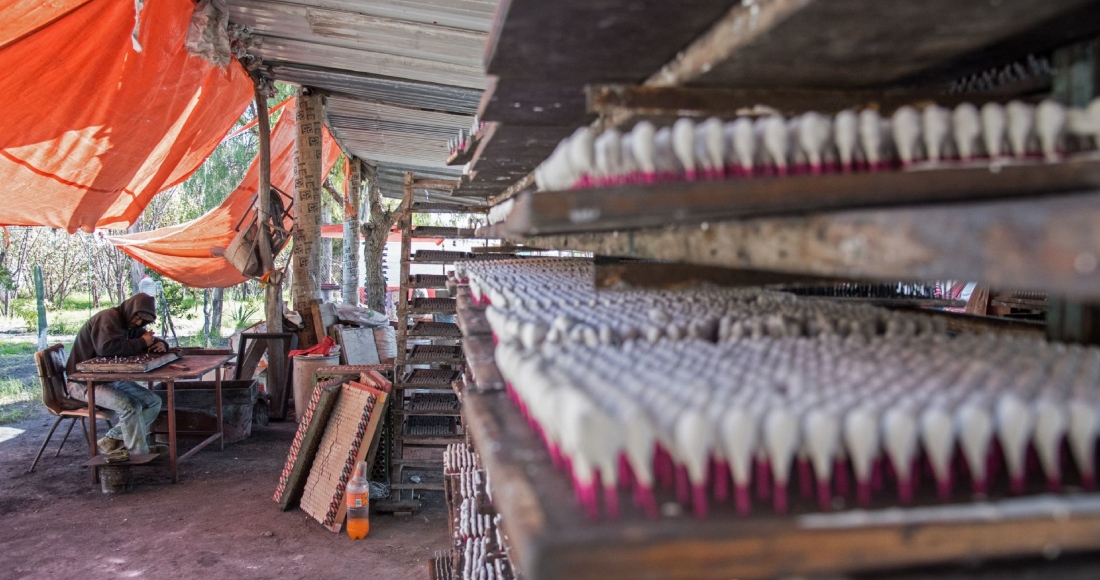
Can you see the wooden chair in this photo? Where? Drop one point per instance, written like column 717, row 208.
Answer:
column 51, row 372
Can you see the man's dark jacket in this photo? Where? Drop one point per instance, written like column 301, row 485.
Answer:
column 109, row 333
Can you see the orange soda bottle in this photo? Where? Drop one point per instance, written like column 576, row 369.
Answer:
column 358, row 501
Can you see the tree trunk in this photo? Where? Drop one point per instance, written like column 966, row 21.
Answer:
column 306, row 258
column 206, row 317
column 273, row 291
column 137, row 270
column 217, row 299
column 350, row 281
column 374, row 243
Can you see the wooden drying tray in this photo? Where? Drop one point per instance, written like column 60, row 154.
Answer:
column 644, row 206
column 126, row 364
column 551, row 538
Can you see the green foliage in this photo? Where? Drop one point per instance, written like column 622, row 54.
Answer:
column 58, row 325
column 181, row 299
column 242, row 316
column 7, row 280
column 25, row 310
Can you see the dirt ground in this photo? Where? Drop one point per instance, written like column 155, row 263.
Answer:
column 218, row 522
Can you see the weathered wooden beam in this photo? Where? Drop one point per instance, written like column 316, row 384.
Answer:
column 1051, row 244
column 440, row 184
column 851, row 43
column 616, row 274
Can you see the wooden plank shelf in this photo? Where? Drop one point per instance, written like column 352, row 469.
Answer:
column 470, row 318
column 794, row 43
column 418, row 486
column 1046, row 244
column 644, row 206
column 432, row 441
column 449, row 233
column 421, row 354
column 440, row 330
column 430, row 207
column 552, row 538
column 479, row 351
column 427, row 281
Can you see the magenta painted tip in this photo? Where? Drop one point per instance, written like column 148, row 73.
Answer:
column 824, row 496
column 683, row 487
column 699, row 500
column 840, row 469
column 905, row 492
column 555, row 457
column 1017, row 484
column 979, row 486
column 643, row 498
column 780, row 500
column 626, row 473
column 690, row 174
column 743, row 499
column 611, row 502
column 1054, row 484
column 763, row 479
column 722, row 482
column 805, row 478
column 863, row 493
column 876, row 475
column 943, row 489
column 1088, row 481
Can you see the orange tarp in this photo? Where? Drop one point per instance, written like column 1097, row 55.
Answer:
column 91, row 129
column 21, row 17
column 183, row 252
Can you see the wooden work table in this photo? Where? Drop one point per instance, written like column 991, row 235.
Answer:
column 189, row 366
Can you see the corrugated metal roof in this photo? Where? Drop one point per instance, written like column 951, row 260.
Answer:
column 402, row 76
column 443, row 98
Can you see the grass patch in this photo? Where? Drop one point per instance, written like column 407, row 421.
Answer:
column 17, row 348
column 17, row 399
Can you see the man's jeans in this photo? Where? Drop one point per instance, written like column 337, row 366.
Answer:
column 135, row 408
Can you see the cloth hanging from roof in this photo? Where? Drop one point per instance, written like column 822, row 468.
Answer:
column 91, row 129
column 183, row 252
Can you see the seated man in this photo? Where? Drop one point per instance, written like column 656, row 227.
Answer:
column 120, row 331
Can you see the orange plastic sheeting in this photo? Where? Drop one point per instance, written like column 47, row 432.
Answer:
column 21, row 17
column 91, row 129
column 183, row 252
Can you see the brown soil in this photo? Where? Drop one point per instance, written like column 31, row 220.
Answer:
column 219, row 521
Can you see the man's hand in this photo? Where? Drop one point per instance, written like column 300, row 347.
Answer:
column 157, row 347
column 148, row 338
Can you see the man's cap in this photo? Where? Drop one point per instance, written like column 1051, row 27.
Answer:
column 146, row 315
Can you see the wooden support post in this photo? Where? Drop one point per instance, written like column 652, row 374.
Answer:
column 350, row 278
column 273, row 289
column 404, row 223
column 307, row 207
